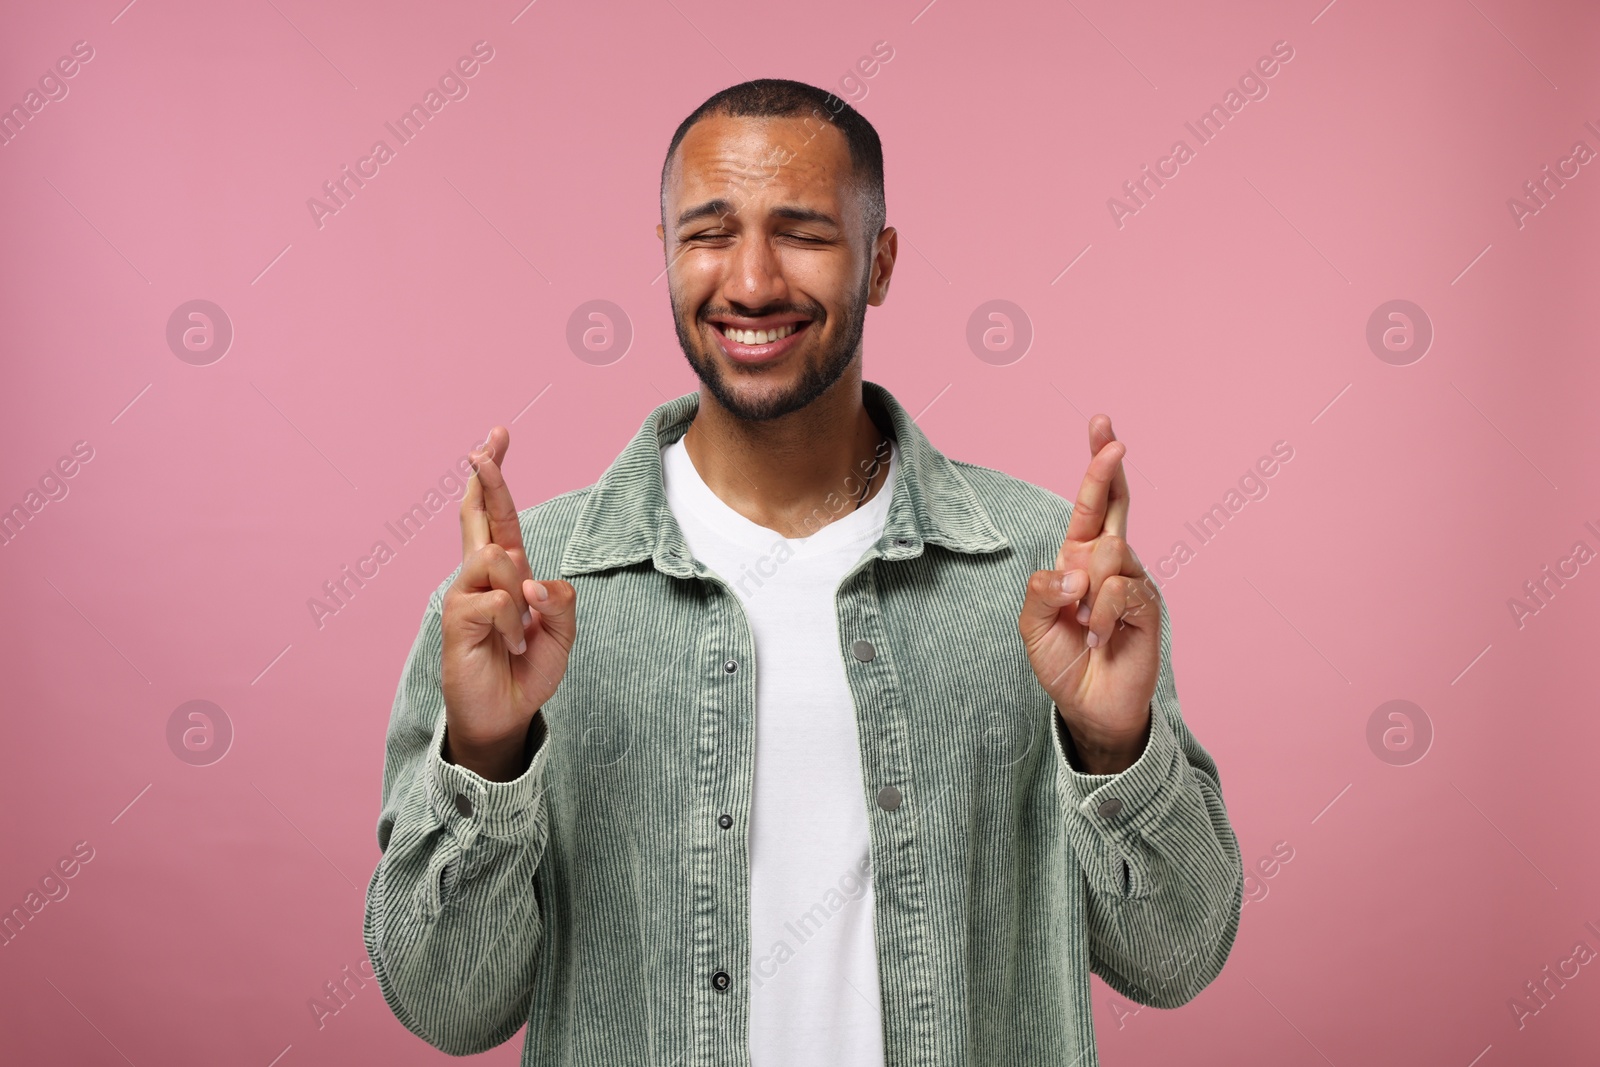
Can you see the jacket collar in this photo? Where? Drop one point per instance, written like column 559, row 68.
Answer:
column 625, row 518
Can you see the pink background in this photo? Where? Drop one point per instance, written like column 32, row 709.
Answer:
column 1229, row 313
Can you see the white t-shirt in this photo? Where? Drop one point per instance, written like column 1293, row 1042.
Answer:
column 814, row 962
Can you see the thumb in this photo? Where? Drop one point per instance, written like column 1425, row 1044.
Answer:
column 1049, row 592
column 557, row 607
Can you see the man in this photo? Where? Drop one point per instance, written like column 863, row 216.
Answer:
column 790, row 740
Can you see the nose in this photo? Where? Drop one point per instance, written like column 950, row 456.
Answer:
column 755, row 277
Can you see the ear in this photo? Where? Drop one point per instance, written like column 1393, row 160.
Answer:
column 661, row 232
column 885, row 249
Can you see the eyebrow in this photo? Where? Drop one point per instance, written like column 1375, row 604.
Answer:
column 719, row 207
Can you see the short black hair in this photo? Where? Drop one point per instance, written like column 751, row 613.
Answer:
column 781, row 98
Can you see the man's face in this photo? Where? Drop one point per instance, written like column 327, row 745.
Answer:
column 769, row 270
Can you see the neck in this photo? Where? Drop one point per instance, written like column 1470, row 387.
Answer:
column 797, row 473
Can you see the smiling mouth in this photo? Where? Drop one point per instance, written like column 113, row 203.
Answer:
column 759, row 347
column 759, row 337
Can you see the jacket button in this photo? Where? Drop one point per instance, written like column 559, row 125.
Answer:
column 888, row 798
column 901, row 542
column 731, row 666
column 724, row 821
column 719, row 981
column 463, row 805
column 863, row 650
column 1110, row 807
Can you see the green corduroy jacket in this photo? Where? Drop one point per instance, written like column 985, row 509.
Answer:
column 597, row 897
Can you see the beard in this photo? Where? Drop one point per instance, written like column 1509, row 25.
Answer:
column 817, row 377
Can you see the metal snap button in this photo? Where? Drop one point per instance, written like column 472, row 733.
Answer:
column 731, row 666
column 724, row 821
column 863, row 650
column 888, row 798
column 1110, row 808
column 463, row 805
column 720, row 981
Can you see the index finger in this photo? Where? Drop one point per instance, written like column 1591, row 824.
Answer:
column 487, row 511
column 1091, row 509
column 501, row 512
column 1117, row 505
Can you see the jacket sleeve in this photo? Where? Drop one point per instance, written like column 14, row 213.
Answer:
column 1165, row 885
column 452, row 926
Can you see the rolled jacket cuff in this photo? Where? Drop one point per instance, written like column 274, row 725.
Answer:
column 467, row 804
column 1134, row 797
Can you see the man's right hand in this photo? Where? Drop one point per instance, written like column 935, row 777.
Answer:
column 506, row 636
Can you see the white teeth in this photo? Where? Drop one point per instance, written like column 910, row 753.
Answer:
column 760, row 337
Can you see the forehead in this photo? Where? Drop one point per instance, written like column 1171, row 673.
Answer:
column 791, row 159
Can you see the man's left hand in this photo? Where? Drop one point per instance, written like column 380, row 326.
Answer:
column 1092, row 626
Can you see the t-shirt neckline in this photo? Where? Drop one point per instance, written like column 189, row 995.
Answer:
column 850, row 529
